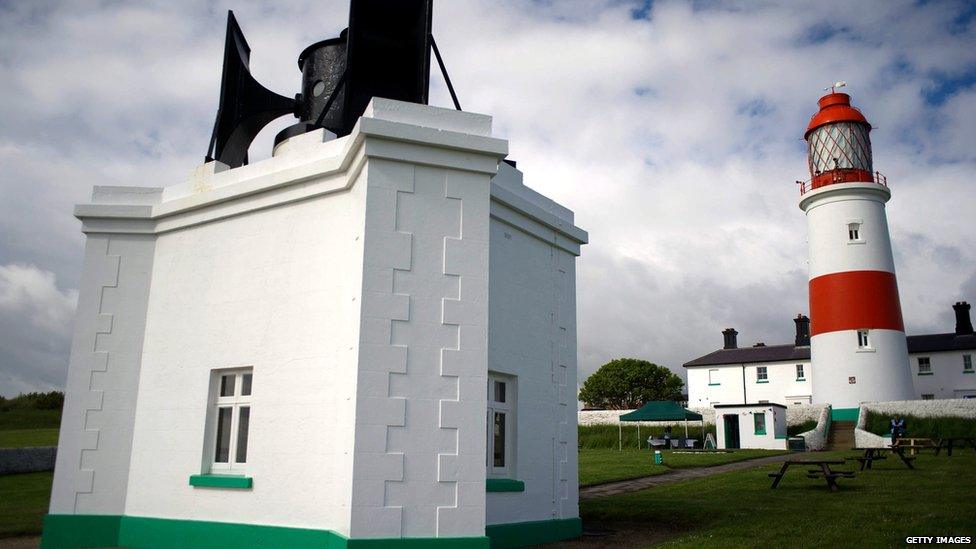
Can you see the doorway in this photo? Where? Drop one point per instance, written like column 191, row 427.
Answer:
column 731, row 430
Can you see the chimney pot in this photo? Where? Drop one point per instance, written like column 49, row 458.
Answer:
column 730, row 338
column 964, row 325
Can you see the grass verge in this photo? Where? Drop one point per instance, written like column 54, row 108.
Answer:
column 23, row 503
column 879, row 508
column 28, row 437
column 599, row 466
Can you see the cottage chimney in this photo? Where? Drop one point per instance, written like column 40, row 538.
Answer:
column 802, row 330
column 730, row 342
column 964, row 325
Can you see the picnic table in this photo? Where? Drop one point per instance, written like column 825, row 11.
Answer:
column 876, row 454
column 949, row 442
column 914, row 444
column 824, row 471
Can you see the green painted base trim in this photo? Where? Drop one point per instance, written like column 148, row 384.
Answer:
column 844, row 414
column 221, row 481
column 801, row 379
column 504, row 485
column 713, row 384
column 70, row 531
column 969, row 371
column 760, row 432
column 926, row 373
column 782, row 438
column 520, row 534
column 762, row 381
column 79, row 531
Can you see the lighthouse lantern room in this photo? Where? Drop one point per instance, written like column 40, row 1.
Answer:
column 858, row 347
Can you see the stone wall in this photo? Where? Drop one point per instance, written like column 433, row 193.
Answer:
column 27, row 460
column 794, row 416
column 956, row 407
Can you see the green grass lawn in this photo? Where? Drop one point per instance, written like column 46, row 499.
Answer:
column 28, row 437
column 879, row 508
column 598, row 466
column 23, row 503
column 19, row 420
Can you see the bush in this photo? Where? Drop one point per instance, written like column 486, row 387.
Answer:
column 922, row 427
column 605, row 436
column 53, row 400
column 794, row 430
column 628, row 383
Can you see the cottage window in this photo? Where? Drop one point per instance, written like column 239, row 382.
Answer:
column 928, row 397
column 762, row 374
column 862, row 340
column 799, row 372
column 713, row 377
column 230, row 418
column 967, row 363
column 760, row 422
column 501, row 425
column 924, row 365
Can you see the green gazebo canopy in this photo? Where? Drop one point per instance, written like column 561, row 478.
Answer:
column 660, row 410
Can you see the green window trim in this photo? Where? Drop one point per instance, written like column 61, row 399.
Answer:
column 713, row 384
column 755, row 423
column 239, row 482
column 969, row 371
column 801, row 379
column 763, row 432
column 504, row 485
column 926, row 373
column 762, row 381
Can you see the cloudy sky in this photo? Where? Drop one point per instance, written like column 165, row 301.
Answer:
column 673, row 129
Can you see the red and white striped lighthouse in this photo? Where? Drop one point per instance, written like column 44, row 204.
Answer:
column 858, row 349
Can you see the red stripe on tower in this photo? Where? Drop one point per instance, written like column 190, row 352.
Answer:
column 854, row 300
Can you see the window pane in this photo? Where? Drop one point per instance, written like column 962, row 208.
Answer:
column 499, row 391
column 246, row 384
column 222, row 453
column 242, row 422
column 760, row 422
column 498, row 458
column 227, row 385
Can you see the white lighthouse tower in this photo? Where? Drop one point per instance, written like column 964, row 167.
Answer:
column 858, row 347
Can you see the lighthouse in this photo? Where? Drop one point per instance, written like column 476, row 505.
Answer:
column 858, row 348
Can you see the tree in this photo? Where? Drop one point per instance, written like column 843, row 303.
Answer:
column 627, row 383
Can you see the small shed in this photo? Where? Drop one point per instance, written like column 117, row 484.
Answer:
column 658, row 410
column 758, row 426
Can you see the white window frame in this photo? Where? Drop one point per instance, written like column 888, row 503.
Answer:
column 864, row 340
column 235, row 402
column 855, row 231
column 762, row 373
column 713, row 376
column 509, row 409
column 967, row 363
column 800, row 372
column 927, row 364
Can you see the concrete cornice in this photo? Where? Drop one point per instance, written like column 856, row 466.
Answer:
column 843, row 191
column 214, row 192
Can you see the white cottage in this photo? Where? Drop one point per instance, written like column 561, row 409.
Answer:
column 304, row 350
column 754, row 426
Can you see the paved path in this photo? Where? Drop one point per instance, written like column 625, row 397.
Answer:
column 678, row 475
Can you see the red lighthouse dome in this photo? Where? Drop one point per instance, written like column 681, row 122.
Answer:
column 839, row 147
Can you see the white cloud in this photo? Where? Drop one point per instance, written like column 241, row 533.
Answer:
column 33, row 293
column 675, row 138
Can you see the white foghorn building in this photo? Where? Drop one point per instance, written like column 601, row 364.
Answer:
column 853, row 348
column 359, row 339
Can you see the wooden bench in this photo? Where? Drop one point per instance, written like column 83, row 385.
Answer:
column 949, row 442
column 876, row 454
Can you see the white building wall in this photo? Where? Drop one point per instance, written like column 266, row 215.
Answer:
column 532, row 336
column 95, row 440
column 948, row 379
column 774, row 437
column 278, row 290
column 782, row 386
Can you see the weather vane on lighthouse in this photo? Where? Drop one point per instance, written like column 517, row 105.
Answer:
column 835, row 85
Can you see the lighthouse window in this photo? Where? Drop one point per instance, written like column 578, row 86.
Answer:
column 862, row 340
column 230, row 416
column 924, row 365
column 501, row 425
column 854, row 232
